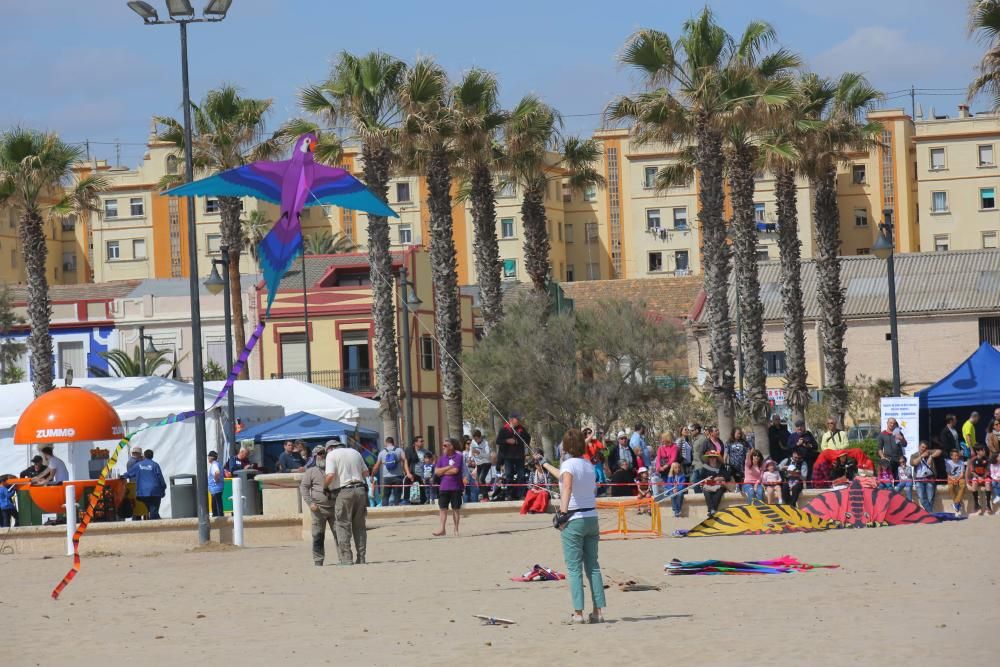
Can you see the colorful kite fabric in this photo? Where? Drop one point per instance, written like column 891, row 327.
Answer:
column 782, row 565
column 540, row 573
column 859, row 506
column 758, row 519
column 95, row 497
column 292, row 184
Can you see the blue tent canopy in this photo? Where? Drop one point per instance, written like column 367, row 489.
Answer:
column 975, row 382
column 303, row 426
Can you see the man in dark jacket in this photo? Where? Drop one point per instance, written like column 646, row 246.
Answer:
column 802, row 440
column 512, row 442
column 777, row 438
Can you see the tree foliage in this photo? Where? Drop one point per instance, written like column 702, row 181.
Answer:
column 10, row 351
column 122, row 364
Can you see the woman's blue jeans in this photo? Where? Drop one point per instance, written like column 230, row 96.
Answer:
column 580, row 538
column 754, row 492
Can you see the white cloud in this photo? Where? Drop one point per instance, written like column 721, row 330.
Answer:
column 884, row 55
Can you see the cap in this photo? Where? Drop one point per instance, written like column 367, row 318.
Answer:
column 621, row 434
column 214, row 454
column 334, row 442
column 137, row 449
column 642, row 470
column 515, row 415
column 37, row 459
column 319, row 449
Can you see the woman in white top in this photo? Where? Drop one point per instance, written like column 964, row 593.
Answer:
column 581, row 534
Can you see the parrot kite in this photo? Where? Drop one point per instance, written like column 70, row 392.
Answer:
column 292, row 184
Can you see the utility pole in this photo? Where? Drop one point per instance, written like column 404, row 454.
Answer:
column 913, row 102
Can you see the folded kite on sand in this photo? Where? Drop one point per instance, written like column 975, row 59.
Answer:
column 782, row 565
column 759, row 519
column 860, row 506
column 539, row 573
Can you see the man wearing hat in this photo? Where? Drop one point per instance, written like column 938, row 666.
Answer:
column 36, row 468
column 133, row 458
column 321, row 504
column 345, row 478
column 512, row 443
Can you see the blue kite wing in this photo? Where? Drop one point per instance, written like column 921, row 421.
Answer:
column 333, row 186
column 258, row 179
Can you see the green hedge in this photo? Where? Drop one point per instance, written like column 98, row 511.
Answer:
column 870, row 448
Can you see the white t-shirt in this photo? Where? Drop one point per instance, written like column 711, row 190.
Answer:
column 484, row 452
column 61, row 473
column 346, row 465
column 584, row 493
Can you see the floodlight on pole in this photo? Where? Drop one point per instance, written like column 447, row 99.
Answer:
column 180, row 9
column 217, row 9
column 145, row 10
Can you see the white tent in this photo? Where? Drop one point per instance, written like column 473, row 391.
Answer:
column 139, row 401
column 295, row 395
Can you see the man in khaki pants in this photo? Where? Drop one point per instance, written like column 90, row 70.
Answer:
column 345, row 476
column 321, row 504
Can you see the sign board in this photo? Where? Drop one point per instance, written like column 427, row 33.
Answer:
column 906, row 411
column 777, row 396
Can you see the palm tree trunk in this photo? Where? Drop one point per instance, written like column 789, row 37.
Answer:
column 232, row 238
column 376, row 175
column 831, row 294
column 715, row 264
column 751, row 311
column 790, row 248
column 486, row 247
column 35, row 253
column 444, row 272
column 536, row 235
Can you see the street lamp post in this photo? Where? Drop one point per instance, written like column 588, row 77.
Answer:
column 181, row 13
column 144, row 352
column 884, row 248
column 215, row 284
column 305, row 318
column 407, row 298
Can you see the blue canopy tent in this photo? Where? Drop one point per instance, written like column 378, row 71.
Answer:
column 974, row 385
column 308, row 427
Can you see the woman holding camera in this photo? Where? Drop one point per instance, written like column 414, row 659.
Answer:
column 577, row 519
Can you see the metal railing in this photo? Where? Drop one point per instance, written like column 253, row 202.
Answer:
column 355, row 381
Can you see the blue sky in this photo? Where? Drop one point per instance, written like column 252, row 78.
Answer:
column 90, row 69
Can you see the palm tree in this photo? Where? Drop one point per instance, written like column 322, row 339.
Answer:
column 427, row 140
column 689, row 96
column 33, row 167
column 364, row 92
column 984, row 20
column 253, row 229
column 530, row 134
column 227, row 132
column 477, row 121
column 578, row 159
column 328, row 243
column 835, row 127
column 122, row 364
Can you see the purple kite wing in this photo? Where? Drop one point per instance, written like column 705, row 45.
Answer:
column 257, row 179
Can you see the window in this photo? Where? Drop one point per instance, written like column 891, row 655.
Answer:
column 69, row 261
column 937, row 159
column 405, row 234
column 774, row 363
column 560, row 228
column 569, row 273
column 593, row 271
column 681, row 218
column 990, row 240
column 858, row 174
column 213, row 242
column 352, row 278
column 762, row 254
column 939, row 202
column 505, row 190
column 569, row 232
column 590, row 193
column 567, row 193
column 863, row 251
column 649, row 177
column 506, row 228
column 135, row 207
column 860, row 217
column 510, row 269
column 402, row 192
column 138, row 248
column 71, row 355
column 13, row 258
column 293, row 354
column 212, row 205
column 171, row 164
column 110, row 208
column 681, row 260
column 987, row 199
column 426, row 353
column 989, row 330
column 114, row 252
column 652, row 218
column 655, row 261
column 758, row 212
column 986, row 155
column 591, row 229
column 941, row 243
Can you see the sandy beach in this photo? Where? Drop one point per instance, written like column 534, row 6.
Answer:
column 909, row 595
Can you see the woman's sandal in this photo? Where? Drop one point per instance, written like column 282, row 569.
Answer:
column 576, row 619
column 596, row 617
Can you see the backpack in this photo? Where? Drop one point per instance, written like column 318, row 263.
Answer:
column 391, row 459
column 415, row 493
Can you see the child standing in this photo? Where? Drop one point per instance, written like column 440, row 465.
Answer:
column 977, row 478
column 885, row 480
column 642, row 491
column 8, row 512
column 675, row 486
column 995, row 475
column 427, row 475
column 955, row 468
column 904, row 478
column 771, row 479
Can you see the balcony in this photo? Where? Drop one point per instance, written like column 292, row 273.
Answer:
column 360, row 381
column 69, row 266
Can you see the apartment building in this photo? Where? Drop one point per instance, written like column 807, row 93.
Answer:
column 958, row 181
column 63, row 240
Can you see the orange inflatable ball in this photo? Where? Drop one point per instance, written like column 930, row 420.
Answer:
column 67, row 414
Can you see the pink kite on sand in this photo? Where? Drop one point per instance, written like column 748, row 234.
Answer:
column 539, row 573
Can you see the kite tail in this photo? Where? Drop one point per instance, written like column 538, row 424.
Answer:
column 98, row 492
column 276, row 252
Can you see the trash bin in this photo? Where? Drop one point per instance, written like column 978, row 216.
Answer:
column 251, row 492
column 183, row 497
